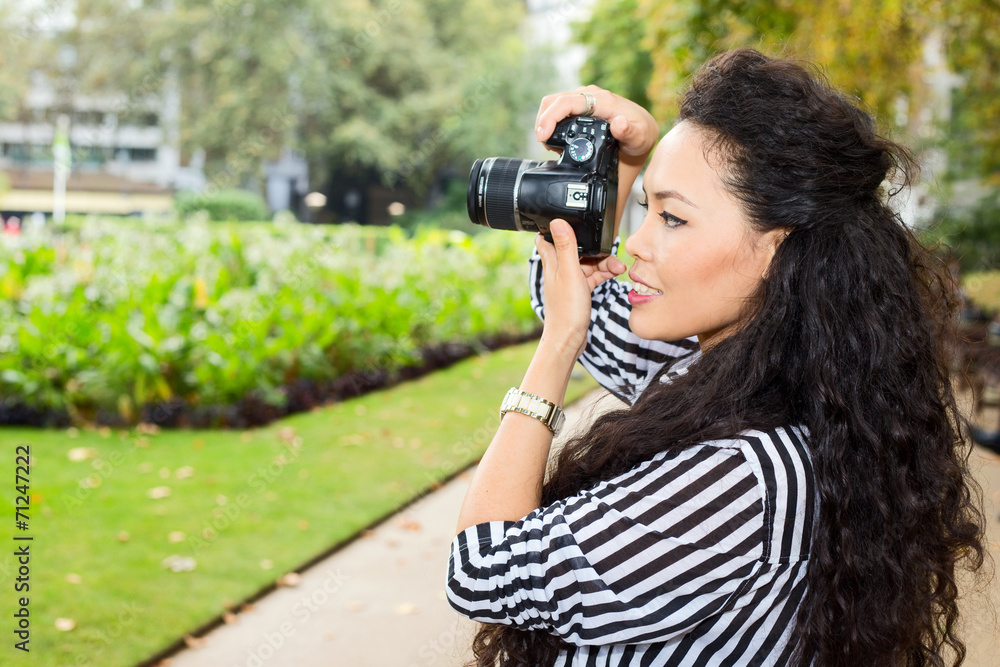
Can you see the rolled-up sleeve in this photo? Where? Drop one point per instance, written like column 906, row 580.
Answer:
column 644, row 556
column 618, row 359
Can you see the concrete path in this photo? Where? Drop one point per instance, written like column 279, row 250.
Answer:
column 380, row 601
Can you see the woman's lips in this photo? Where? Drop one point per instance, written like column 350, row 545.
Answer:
column 636, row 299
column 641, row 292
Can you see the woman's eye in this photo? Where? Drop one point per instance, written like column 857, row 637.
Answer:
column 672, row 220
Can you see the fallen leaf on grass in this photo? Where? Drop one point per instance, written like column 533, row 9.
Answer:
column 158, row 492
column 65, row 624
column 229, row 618
column 303, row 525
column 176, row 536
column 147, row 428
column 355, row 440
column 74, row 578
column 91, row 482
column 72, row 432
column 123, row 536
column 194, row 642
column 266, row 564
column 81, row 453
column 184, row 472
column 176, row 563
column 287, row 434
column 146, row 466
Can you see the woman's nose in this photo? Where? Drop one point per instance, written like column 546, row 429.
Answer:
column 635, row 244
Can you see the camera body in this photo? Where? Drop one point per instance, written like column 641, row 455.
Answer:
column 580, row 187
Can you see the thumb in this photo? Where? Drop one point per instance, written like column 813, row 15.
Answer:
column 564, row 239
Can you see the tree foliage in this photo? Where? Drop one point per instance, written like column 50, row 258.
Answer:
column 399, row 89
column 873, row 50
column 621, row 61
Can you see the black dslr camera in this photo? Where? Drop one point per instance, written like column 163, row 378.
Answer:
column 581, row 187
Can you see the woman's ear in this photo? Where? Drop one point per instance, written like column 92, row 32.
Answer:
column 770, row 241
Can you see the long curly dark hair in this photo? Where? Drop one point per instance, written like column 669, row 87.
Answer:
column 847, row 334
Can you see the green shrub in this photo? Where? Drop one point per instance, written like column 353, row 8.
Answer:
column 113, row 316
column 972, row 234
column 223, row 205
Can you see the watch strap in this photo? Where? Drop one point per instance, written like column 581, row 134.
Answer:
column 529, row 404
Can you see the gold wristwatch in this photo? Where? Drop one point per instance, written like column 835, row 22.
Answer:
column 544, row 411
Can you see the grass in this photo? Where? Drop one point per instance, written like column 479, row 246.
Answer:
column 246, row 506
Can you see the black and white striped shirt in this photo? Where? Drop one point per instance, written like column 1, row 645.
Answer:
column 693, row 557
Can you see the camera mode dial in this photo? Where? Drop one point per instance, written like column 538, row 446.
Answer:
column 580, row 149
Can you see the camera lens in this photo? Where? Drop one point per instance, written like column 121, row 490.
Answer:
column 492, row 196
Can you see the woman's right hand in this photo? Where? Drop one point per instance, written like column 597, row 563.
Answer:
column 634, row 128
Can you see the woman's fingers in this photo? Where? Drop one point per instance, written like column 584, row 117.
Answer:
column 632, row 125
column 606, row 269
column 561, row 254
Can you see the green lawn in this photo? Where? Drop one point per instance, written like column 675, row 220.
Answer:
column 246, row 506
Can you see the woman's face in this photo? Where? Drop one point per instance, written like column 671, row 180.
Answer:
column 696, row 257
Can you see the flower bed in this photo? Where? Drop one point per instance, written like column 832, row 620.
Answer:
column 116, row 322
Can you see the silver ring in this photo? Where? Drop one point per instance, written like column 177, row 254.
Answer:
column 591, row 104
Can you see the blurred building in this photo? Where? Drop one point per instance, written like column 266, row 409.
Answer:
column 122, row 162
column 126, row 156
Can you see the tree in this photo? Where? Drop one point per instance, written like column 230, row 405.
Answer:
column 402, row 90
column 973, row 49
column 873, row 50
column 620, row 60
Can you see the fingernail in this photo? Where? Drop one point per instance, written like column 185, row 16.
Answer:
column 538, row 131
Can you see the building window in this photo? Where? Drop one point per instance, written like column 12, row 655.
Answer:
column 142, row 154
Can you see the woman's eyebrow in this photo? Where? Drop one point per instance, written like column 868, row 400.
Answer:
column 673, row 194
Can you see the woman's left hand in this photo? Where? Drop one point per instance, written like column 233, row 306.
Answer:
column 568, row 287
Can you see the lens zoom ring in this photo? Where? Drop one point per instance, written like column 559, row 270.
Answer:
column 499, row 200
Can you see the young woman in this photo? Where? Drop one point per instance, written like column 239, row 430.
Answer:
column 789, row 484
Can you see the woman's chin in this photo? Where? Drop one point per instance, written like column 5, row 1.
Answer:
column 643, row 328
